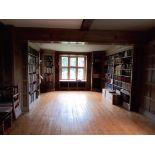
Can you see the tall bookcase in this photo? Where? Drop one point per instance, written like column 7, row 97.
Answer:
column 119, row 75
column 33, row 75
column 48, row 72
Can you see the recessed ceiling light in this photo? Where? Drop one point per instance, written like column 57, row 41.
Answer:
column 72, row 42
column 64, row 42
column 81, row 43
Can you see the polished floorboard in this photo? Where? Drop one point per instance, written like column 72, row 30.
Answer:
column 79, row 113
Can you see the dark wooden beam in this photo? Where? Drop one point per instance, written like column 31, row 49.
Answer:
column 86, row 24
column 104, row 37
column 151, row 35
column 1, row 24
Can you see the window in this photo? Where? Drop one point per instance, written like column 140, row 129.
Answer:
column 73, row 67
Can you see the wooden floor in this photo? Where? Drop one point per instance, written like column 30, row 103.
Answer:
column 79, row 112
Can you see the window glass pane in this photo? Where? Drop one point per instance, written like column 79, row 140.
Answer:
column 64, row 61
column 81, row 61
column 72, row 73
column 72, row 61
column 80, row 74
column 64, row 73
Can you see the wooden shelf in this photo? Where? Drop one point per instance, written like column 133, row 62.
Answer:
column 122, row 87
column 123, row 69
column 31, row 72
column 48, row 73
column 126, row 57
column 118, row 64
column 123, row 81
column 122, row 75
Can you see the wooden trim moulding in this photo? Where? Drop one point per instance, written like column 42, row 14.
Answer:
column 92, row 36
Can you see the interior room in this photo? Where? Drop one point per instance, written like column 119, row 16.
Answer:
column 77, row 76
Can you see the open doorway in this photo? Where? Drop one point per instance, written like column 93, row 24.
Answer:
column 73, row 66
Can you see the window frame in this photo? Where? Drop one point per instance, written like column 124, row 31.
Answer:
column 76, row 67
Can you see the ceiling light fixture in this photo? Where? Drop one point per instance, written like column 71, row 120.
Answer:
column 72, row 42
column 64, row 42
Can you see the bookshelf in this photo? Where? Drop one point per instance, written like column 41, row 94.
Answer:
column 119, row 75
column 48, row 68
column 48, row 72
column 33, row 75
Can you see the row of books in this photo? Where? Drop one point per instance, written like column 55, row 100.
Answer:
column 122, row 78
column 123, row 66
column 48, row 70
column 110, row 60
column 123, row 72
column 33, row 87
column 124, row 85
column 33, row 74
column 32, row 78
column 32, row 68
column 33, row 59
column 127, row 60
column 33, row 96
column 48, row 58
column 48, row 63
column 126, row 53
column 48, row 78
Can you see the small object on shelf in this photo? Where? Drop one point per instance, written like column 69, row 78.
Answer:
column 112, row 97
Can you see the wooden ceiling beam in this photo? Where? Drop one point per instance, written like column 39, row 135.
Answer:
column 104, row 37
column 86, row 24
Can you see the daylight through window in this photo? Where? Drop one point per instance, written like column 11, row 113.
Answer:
column 73, row 68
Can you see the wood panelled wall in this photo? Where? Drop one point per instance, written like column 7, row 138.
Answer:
column 6, row 54
column 148, row 85
column 12, row 60
column 137, row 74
column 98, row 69
column 18, row 67
column 56, row 71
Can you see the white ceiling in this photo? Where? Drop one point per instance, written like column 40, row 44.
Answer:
column 98, row 24
column 75, row 47
column 70, row 47
column 45, row 23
